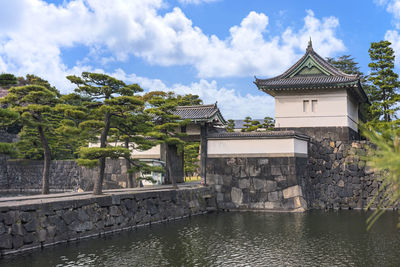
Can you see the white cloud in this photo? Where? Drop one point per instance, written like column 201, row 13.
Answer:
column 393, row 7
column 233, row 105
column 196, row 2
column 34, row 32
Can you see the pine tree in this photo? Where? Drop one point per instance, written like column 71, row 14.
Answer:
column 35, row 105
column 384, row 92
column 167, row 125
column 108, row 97
column 269, row 123
column 230, row 127
column 191, row 157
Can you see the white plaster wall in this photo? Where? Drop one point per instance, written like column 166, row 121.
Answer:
column 256, row 147
column 152, row 153
column 333, row 109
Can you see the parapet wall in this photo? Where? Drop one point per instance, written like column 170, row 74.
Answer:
column 36, row 221
column 64, row 174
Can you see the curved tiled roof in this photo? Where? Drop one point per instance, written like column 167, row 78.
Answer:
column 328, row 76
column 200, row 113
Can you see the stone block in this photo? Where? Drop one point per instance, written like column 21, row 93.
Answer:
column 32, row 225
column 42, row 235
column 244, row 183
column 270, row 186
column 273, row 196
column 6, row 241
column 259, row 184
column 237, row 196
column 292, row 191
column 341, row 183
column 276, row 170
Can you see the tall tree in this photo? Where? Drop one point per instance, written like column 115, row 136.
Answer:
column 167, row 125
column 35, row 105
column 384, row 92
column 107, row 98
column 230, row 126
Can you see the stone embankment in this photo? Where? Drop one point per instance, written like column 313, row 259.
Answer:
column 258, row 183
column 65, row 175
column 339, row 177
column 38, row 221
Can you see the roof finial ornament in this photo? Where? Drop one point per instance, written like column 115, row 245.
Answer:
column 309, row 47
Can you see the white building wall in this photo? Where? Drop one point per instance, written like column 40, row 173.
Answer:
column 256, row 147
column 332, row 109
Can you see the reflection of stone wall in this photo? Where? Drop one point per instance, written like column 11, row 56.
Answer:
column 33, row 224
column 258, row 183
column 64, row 174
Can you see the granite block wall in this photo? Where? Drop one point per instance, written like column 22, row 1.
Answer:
column 64, row 174
column 34, row 223
column 254, row 183
column 339, row 177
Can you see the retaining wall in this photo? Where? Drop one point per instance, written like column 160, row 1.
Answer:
column 64, row 174
column 39, row 222
column 338, row 175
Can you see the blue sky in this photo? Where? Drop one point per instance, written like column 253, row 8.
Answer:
column 212, row 48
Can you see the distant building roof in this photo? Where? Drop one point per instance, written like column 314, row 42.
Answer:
column 201, row 113
column 312, row 72
column 239, row 124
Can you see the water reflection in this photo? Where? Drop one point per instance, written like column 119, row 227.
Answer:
column 237, row 239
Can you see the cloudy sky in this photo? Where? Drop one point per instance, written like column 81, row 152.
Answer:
column 212, row 48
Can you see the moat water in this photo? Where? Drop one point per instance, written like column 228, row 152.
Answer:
column 236, row 239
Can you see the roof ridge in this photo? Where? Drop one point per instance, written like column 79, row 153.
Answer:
column 310, row 51
column 196, row 106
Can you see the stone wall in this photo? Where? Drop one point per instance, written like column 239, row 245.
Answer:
column 273, row 183
column 323, row 133
column 35, row 223
column 64, row 174
column 338, row 176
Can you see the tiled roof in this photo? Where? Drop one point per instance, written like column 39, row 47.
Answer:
column 200, row 113
column 257, row 135
column 327, row 76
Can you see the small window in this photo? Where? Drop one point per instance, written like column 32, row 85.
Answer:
column 314, row 104
column 183, row 129
column 306, row 105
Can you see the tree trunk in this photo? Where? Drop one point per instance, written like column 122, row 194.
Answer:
column 98, row 185
column 47, row 161
column 129, row 176
column 171, row 151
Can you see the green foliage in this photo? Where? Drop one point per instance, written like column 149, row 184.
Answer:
column 230, row 126
column 269, row 123
column 384, row 157
column 7, row 80
column 191, row 158
column 250, row 125
column 114, row 113
column 6, row 148
column 92, row 153
column 383, row 94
